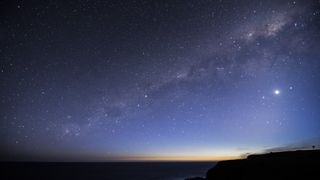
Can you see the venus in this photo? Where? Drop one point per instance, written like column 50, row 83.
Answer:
column 276, row 92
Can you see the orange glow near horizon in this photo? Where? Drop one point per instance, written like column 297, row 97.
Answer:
column 189, row 156
column 184, row 154
column 180, row 158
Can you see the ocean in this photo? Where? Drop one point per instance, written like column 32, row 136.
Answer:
column 159, row 170
column 107, row 171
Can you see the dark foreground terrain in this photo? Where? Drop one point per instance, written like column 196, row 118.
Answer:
column 280, row 165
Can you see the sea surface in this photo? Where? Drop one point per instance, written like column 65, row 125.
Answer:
column 111, row 171
column 160, row 170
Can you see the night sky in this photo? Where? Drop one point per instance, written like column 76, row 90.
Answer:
column 167, row 80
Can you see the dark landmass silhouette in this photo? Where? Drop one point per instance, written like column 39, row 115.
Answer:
column 304, row 164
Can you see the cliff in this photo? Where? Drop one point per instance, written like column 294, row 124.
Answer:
column 280, row 165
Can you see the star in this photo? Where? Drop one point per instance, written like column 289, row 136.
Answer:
column 276, row 92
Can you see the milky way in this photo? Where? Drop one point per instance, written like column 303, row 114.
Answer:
column 146, row 80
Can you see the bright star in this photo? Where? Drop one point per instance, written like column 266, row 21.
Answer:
column 276, row 92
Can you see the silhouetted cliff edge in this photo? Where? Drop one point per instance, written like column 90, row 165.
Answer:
column 280, row 165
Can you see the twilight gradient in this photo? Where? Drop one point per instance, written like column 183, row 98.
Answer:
column 147, row 80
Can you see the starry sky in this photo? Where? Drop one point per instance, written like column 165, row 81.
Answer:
column 157, row 80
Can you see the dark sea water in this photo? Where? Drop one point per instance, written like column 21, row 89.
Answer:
column 107, row 171
column 159, row 170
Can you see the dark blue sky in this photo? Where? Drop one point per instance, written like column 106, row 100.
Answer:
column 146, row 80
